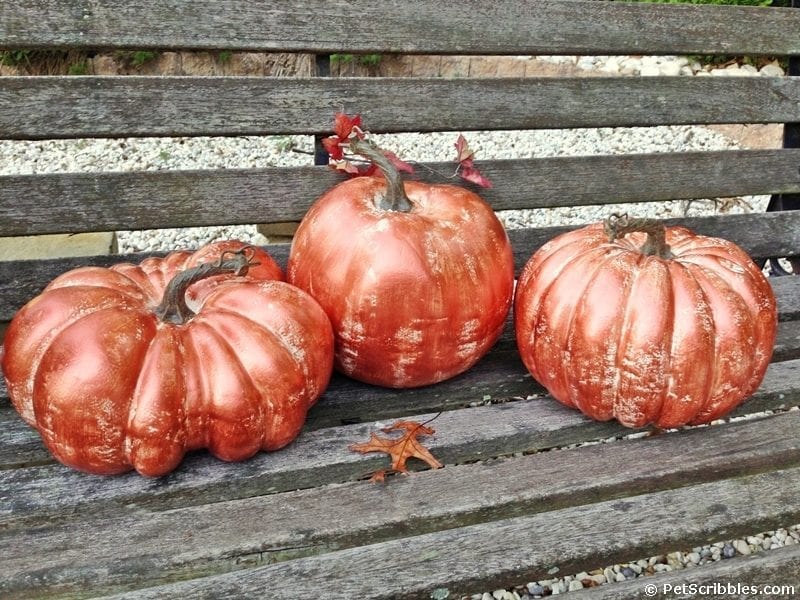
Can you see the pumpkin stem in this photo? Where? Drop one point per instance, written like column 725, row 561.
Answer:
column 395, row 198
column 173, row 307
column 617, row 226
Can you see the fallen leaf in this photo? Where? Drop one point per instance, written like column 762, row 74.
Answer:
column 399, row 448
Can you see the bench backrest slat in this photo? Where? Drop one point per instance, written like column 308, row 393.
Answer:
column 34, row 204
column 762, row 235
column 464, row 27
column 58, row 107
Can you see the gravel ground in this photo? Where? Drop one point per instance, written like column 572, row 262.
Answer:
column 153, row 154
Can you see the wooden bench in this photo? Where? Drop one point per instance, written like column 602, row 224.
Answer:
column 521, row 498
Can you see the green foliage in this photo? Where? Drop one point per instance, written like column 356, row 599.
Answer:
column 78, row 68
column 135, row 58
column 14, row 58
column 141, row 57
column 224, row 56
column 368, row 60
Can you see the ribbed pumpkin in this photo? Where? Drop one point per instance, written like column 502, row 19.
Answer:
column 645, row 324
column 134, row 365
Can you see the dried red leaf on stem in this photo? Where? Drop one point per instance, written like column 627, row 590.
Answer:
column 346, row 128
column 466, row 168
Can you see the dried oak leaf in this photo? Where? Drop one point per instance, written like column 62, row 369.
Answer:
column 400, row 449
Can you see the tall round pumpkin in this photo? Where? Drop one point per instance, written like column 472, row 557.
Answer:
column 134, row 365
column 644, row 324
column 417, row 279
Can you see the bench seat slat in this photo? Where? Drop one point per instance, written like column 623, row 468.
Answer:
column 497, row 377
column 64, row 107
column 321, row 456
column 35, row 204
column 488, row 555
column 414, row 26
column 97, row 554
column 762, row 235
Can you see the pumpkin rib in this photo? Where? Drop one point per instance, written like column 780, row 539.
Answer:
column 605, row 409
column 305, row 393
column 740, row 305
column 54, row 441
column 607, row 255
column 142, row 281
column 708, row 316
column 47, row 342
column 213, row 421
column 639, row 410
column 531, row 272
column 138, row 449
column 213, row 326
column 64, row 281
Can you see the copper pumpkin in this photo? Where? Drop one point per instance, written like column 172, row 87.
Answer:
column 666, row 327
column 113, row 378
column 417, row 279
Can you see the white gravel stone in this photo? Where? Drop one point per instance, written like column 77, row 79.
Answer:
column 18, row 157
column 575, row 585
column 772, row 70
column 742, row 547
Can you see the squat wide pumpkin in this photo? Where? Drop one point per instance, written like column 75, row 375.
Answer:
column 644, row 324
column 114, row 378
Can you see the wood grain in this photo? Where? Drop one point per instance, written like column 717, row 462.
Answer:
column 101, row 555
column 761, row 235
column 413, row 26
column 321, row 457
column 52, row 203
column 64, row 107
column 488, row 555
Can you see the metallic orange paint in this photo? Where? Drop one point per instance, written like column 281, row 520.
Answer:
column 111, row 387
column 414, row 297
column 644, row 339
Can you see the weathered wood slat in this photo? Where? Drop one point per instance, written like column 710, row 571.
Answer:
column 787, row 344
column 787, row 291
column 321, row 456
column 486, row 555
column 314, row 459
column 414, row 26
column 33, row 204
column 109, row 554
column 499, row 376
column 61, row 107
column 779, row 569
column 762, row 235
